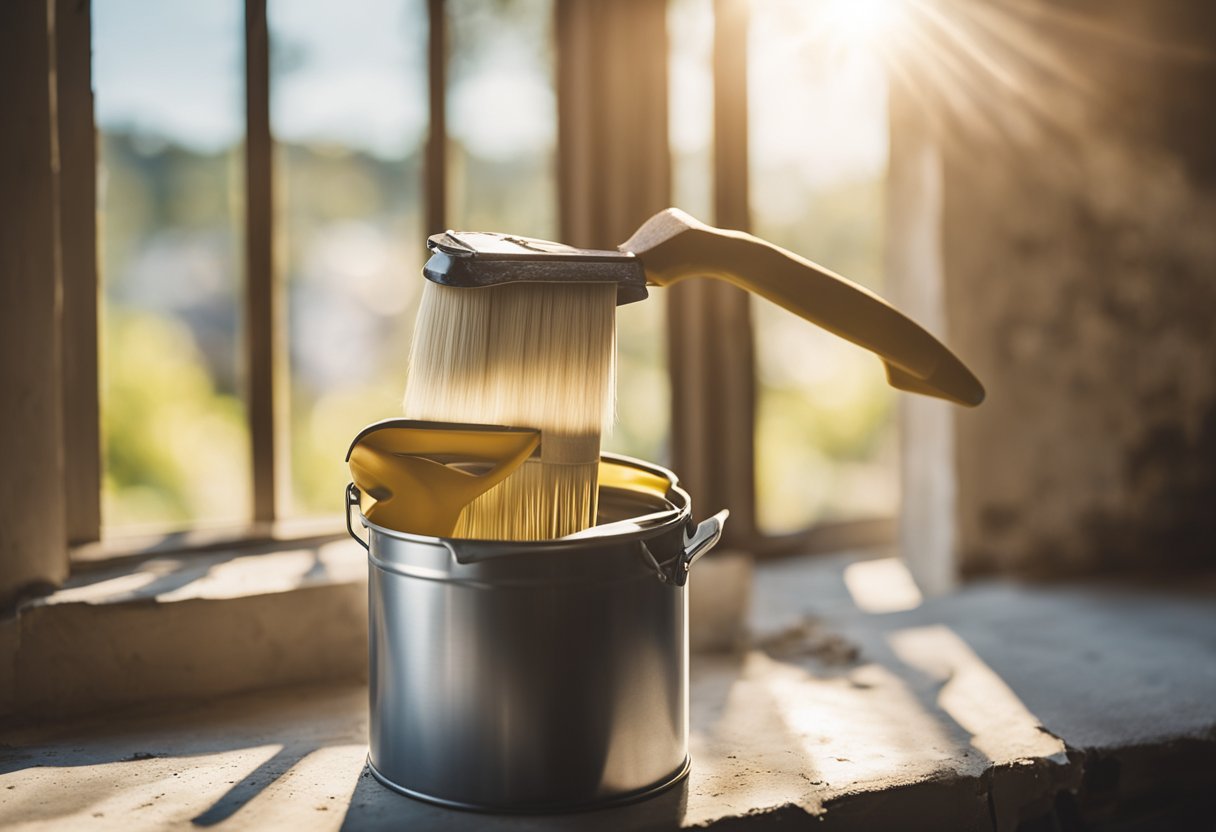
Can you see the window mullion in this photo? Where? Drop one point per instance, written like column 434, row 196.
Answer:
column 731, row 388
column 77, row 243
column 262, row 296
column 437, row 137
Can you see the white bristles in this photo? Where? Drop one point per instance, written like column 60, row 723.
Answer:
column 538, row 355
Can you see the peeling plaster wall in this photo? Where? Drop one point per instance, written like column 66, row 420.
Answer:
column 1079, row 255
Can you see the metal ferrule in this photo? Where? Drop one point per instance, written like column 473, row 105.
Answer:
column 476, row 259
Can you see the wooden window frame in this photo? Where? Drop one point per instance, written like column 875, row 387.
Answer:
column 711, row 351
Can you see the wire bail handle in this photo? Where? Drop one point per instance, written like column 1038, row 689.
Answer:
column 352, row 501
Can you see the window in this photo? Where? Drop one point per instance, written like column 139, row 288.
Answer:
column 348, row 88
column 818, row 141
column 268, row 173
column 170, row 254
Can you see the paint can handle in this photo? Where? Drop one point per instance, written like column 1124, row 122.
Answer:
column 352, row 501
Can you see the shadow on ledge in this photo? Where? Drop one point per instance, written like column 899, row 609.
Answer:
column 374, row 807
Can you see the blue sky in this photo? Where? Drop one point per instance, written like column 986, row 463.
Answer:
column 350, row 73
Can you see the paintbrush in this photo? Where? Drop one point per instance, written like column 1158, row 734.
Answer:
column 518, row 331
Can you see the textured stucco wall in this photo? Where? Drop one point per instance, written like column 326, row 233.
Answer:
column 1077, row 252
column 1078, row 232
column 1092, row 316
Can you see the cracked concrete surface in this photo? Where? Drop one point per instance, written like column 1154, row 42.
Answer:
column 997, row 707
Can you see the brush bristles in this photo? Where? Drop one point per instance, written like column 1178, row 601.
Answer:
column 538, row 355
column 537, row 502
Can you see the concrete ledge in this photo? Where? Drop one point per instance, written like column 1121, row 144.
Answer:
column 856, row 706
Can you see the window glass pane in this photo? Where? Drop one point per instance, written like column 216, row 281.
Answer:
column 349, row 113
column 690, row 124
column 169, row 81
column 643, row 393
column 502, row 117
column 825, row 436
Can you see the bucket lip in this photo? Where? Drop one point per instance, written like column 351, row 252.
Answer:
column 557, row 544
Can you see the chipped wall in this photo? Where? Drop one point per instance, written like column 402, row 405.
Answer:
column 1078, row 234
column 1090, row 314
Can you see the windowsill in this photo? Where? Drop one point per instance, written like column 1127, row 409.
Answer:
column 995, row 705
column 190, row 625
column 142, row 544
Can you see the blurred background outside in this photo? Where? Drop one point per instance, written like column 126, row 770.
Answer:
column 349, row 116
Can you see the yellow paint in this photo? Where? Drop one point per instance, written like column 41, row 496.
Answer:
column 417, row 477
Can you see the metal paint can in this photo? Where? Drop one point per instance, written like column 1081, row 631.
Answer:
column 536, row 676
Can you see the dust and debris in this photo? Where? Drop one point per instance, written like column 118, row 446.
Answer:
column 807, row 638
column 140, row 755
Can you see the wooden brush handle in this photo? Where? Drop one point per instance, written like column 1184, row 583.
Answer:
column 673, row 246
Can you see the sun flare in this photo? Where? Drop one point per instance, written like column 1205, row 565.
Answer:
column 862, row 23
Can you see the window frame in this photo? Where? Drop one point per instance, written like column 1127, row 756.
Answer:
column 711, row 361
